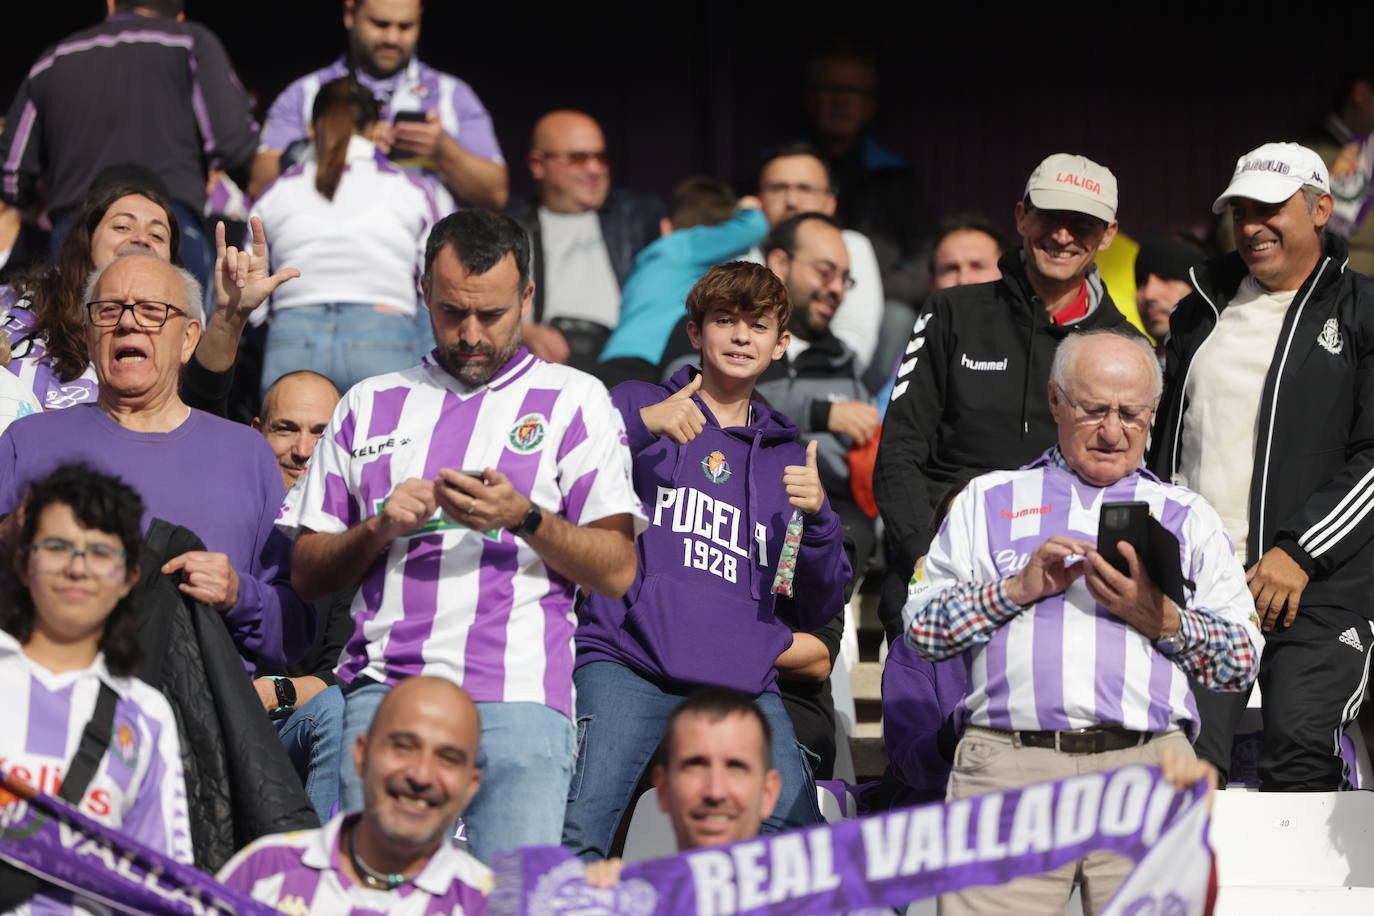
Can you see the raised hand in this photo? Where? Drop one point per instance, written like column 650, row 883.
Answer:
column 677, row 417
column 241, row 279
column 1045, row 573
column 803, row 483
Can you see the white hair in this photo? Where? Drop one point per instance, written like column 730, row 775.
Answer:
column 1067, row 352
column 195, row 298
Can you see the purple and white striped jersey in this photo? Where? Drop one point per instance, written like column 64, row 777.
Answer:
column 1067, row 662
column 300, row 873
column 477, row 607
column 418, row 87
column 137, row 788
column 29, row 363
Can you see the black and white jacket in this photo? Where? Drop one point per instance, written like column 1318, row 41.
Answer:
column 1312, row 489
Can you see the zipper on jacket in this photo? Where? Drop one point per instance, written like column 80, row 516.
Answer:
column 1187, row 373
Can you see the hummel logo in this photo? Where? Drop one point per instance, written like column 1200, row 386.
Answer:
column 1352, row 639
column 983, row 365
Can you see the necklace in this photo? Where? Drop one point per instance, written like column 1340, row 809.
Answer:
column 377, row 880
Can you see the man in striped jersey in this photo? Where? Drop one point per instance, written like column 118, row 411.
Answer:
column 1072, row 666
column 468, row 497
column 1267, row 415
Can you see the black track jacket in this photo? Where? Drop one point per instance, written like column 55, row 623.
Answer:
column 1312, row 489
column 971, row 397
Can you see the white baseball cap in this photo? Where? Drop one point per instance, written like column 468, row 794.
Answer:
column 1274, row 172
column 1064, row 181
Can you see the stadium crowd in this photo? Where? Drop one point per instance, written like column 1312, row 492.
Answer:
column 531, row 483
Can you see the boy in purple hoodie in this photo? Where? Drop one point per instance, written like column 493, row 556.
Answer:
column 720, row 476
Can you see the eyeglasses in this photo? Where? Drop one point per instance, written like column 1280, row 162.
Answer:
column 827, row 271
column 106, row 313
column 782, row 187
column 58, row 554
column 578, row 157
column 1134, row 417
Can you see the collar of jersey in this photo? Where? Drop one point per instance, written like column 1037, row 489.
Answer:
column 443, row 868
column 520, row 362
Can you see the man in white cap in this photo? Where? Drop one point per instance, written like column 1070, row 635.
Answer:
column 969, row 395
column 1266, row 413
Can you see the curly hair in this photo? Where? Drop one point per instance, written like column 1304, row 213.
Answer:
column 54, row 292
column 750, row 289
column 102, row 503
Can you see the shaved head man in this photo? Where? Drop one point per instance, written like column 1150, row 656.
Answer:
column 418, row 763
column 584, row 235
column 295, row 412
column 568, row 161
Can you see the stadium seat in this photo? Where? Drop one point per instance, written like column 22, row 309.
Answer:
column 1294, row 852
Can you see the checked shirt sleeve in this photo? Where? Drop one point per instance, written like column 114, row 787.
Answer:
column 960, row 616
column 1217, row 652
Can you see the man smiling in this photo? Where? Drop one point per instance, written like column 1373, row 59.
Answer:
column 1266, row 414
column 967, row 395
column 418, row 767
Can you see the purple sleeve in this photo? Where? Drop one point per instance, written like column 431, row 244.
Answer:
column 21, row 148
column 918, row 698
column 629, row 398
column 475, row 130
column 9, row 474
column 822, row 573
column 223, row 111
column 270, row 623
column 285, row 119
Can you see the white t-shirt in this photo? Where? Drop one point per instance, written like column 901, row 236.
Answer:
column 366, row 245
column 1223, row 396
column 579, row 281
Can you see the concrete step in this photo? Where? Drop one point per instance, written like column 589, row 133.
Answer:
column 866, row 681
column 870, row 759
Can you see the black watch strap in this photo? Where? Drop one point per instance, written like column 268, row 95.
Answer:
column 530, row 523
column 286, row 692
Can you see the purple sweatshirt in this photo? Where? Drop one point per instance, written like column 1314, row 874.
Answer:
column 919, row 698
column 701, row 609
column 217, row 478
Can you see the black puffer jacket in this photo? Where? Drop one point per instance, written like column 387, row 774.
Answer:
column 240, row 785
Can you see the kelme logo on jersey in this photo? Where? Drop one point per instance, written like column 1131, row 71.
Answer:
column 715, row 467
column 125, row 744
column 528, row 432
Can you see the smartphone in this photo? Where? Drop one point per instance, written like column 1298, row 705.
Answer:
column 1123, row 521
column 408, row 116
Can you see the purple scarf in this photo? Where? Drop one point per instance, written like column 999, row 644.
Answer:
column 909, row 854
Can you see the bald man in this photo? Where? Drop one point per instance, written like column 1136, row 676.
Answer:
column 295, row 411
column 585, row 237
column 418, row 764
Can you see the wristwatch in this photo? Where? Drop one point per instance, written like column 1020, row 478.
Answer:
column 529, row 524
column 1169, row 645
column 286, row 696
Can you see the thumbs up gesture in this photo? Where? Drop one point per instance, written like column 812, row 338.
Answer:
column 678, row 417
column 803, row 483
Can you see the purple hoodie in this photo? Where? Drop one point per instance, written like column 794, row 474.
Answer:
column 919, row 698
column 701, row 609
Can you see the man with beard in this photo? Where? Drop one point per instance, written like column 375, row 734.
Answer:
column 468, row 497
column 425, row 111
column 418, row 764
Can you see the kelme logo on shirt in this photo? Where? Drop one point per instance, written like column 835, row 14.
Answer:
column 125, row 744
column 715, row 467
column 528, row 432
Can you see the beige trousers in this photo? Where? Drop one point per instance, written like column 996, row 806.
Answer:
column 988, row 761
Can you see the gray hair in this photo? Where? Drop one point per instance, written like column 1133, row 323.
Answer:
column 195, row 297
column 1067, row 352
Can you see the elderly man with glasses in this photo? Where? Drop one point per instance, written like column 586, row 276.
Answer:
column 217, row 478
column 1074, row 666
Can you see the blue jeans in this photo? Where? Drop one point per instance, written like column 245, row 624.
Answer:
column 312, row 736
column 620, row 721
column 344, row 341
column 526, row 759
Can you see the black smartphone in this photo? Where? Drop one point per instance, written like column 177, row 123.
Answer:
column 408, row 116
column 1124, row 521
